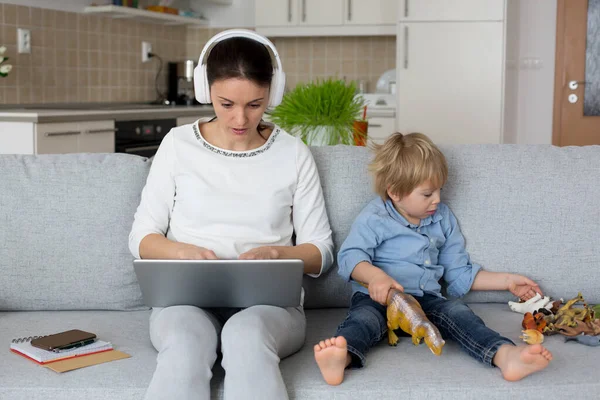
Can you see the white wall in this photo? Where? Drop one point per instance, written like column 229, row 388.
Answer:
column 239, row 14
column 530, row 82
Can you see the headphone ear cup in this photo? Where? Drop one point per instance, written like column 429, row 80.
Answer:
column 277, row 88
column 201, row 84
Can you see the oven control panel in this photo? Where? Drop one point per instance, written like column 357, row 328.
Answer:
column 153, row 130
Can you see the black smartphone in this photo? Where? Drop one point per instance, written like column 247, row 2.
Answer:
column 64, row 340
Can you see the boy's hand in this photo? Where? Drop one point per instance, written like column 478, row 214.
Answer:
column 522, row 287
column 380, row 286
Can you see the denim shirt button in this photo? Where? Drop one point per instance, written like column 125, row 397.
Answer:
column 427, row 262
column 422, row 286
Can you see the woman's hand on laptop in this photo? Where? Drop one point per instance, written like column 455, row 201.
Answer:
column 260, row 253
column 190, row 252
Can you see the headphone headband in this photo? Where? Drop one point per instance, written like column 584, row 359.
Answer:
column 201, row 85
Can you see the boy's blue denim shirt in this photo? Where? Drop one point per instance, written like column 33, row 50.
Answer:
column 417, row 257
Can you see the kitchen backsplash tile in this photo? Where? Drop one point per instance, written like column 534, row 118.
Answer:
column 82, row 58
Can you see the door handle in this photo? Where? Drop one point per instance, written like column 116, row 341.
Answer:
column 303, row 10
column 289, row 10
column 406, row 47
column 575, row 84
column 375, row 126
column 406, row 8
column 349, row 10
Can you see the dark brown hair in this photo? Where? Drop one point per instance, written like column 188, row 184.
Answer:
column 240, row 57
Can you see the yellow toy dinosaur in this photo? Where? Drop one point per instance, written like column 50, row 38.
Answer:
column 405, row 312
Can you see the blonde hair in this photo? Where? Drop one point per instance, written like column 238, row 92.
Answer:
column 404, row 162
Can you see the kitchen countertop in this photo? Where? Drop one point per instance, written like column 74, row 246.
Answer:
column 44, row 113
column 381, row 112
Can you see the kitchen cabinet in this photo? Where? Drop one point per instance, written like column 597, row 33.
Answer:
column 276, row 12
column 370, row 12
column 276, row 18
column 57, row 138
column 450, row 80
column 451, row 10
column 96, row 137
column 321, row 13
column 75, row 137
column 380, row 128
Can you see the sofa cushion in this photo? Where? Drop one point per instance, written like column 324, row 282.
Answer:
column 528, row 209
column 65, row 227
column 402, row 372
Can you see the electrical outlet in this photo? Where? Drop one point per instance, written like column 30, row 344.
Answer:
column 23, row 40
column 146, row 50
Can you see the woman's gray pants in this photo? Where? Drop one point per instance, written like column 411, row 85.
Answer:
column 252, row 342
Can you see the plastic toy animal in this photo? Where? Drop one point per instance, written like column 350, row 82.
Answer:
column 585, row 339
column 535, row 303
column 532, row 336
column 404, row 312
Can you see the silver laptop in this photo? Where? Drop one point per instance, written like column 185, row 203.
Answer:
column 220, row 283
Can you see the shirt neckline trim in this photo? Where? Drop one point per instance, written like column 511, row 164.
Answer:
column 231, row 153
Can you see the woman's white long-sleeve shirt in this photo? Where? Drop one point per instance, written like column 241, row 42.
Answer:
column 233, row 201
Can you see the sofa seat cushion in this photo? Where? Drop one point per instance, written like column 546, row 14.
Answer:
column 405, row 371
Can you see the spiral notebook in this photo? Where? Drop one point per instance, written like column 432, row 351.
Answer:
column 23, row 348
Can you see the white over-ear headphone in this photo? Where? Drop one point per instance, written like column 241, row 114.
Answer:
column 201, row 86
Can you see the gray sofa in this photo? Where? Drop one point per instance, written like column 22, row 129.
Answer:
column 65, row 264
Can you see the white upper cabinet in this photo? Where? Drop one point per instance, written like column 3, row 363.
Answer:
column 319, row 12
column 370, row 12
column 276, row 12
column 451, row 10
column 325, row 17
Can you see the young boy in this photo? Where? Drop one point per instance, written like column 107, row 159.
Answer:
column 408, row 240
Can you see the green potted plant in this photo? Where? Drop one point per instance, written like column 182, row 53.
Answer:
column 321, row 112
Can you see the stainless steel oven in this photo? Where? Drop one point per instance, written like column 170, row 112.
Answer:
column 141, row 137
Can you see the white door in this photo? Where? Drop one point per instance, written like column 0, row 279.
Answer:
column 370, row 12
column 97, row 137
column 449, row 80
column 321, row 12
column 451, row 10
column 276, row 12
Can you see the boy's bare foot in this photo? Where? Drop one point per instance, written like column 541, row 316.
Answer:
column 516, row 362
column 332, row 358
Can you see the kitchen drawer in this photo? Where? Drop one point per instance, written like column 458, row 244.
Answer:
column 57, row 138
column 380, row 128
column 97, row 137
column 75, row 137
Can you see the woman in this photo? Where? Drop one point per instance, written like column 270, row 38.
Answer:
column 226, row 188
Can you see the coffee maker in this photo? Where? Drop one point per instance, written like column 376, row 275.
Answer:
column 181, row 83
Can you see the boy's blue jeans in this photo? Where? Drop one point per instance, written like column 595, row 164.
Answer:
column 365, row 325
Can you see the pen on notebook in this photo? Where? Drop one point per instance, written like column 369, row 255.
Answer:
column 71, row 346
